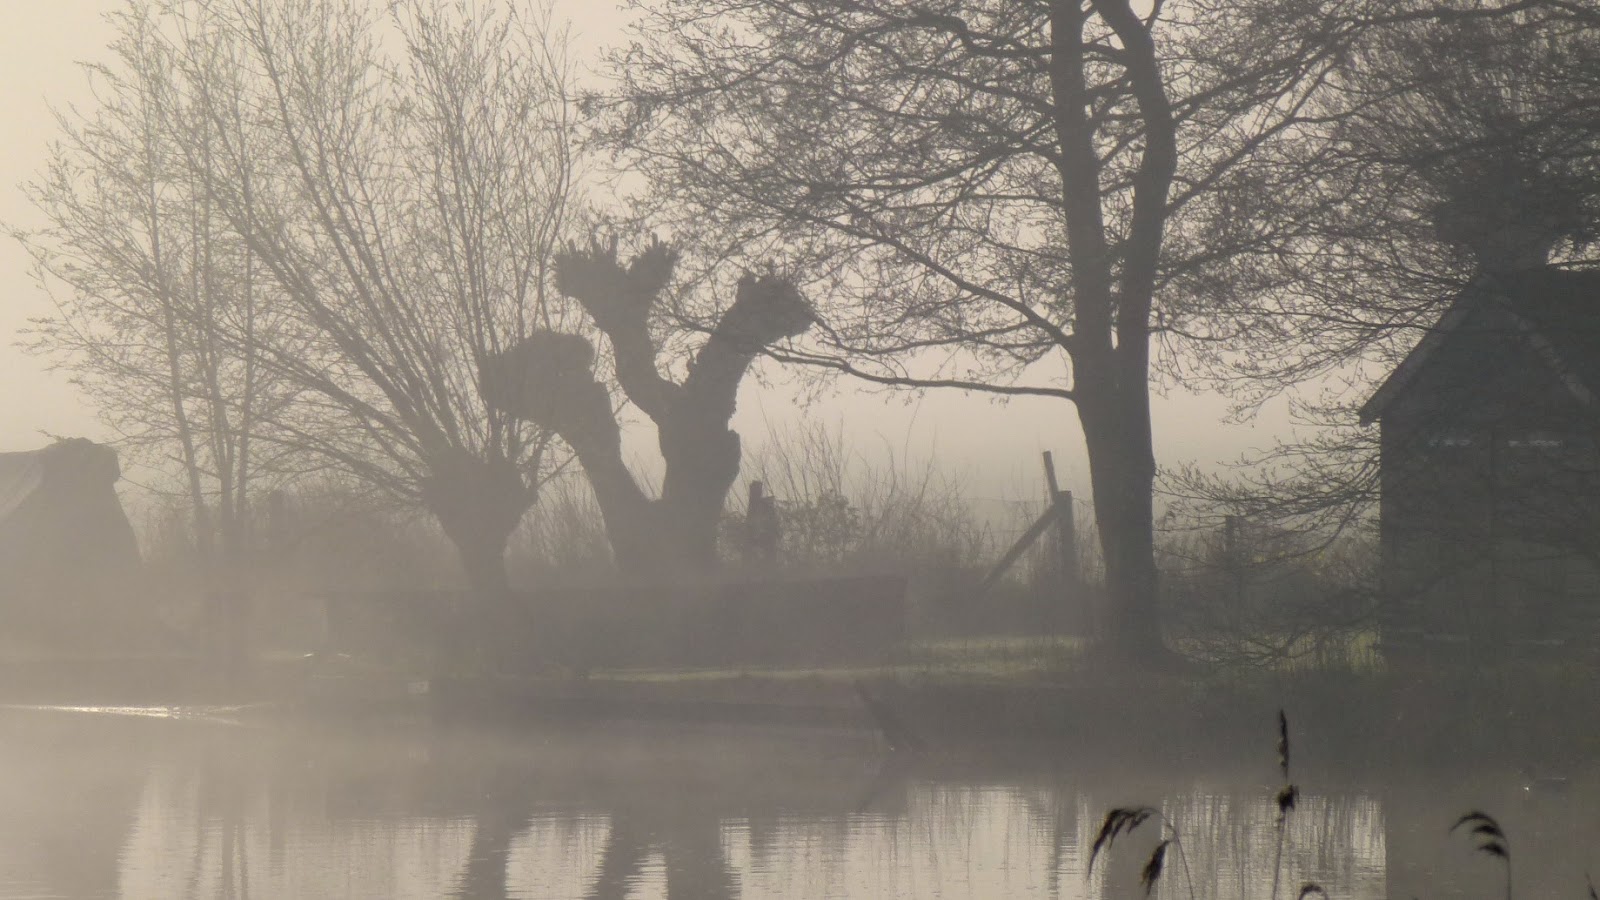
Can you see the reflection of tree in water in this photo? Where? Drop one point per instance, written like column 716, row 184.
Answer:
column 221, row 804
column 712, row 817
column 690, row 843
column 667, row 798
column 689, row 838
column 485, row 875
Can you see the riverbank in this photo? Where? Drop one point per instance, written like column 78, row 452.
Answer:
column 1527, row 713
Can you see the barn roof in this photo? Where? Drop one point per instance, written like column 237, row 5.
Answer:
column 59, row 510
column 67, row 461
column 20, row 475
column 1557, row 311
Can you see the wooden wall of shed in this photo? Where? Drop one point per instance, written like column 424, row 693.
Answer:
column 1490, row 496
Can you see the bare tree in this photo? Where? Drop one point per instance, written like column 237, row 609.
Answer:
column 1444, row 147
column 1449, row 149
column 147, row 278
column 549, row 379
column 1001, row 197
column 1458, row 157
column 398, row 211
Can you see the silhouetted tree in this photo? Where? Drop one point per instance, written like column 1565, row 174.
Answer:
column 1013, row 198
column 549, row 379
column 147, row 276
column 1452, row 148
column 392, row 216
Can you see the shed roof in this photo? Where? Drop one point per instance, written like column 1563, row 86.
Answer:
column 1557, row 311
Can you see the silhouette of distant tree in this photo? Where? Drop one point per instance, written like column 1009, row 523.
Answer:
column 988, row 193
column 301, row 225
column 147, row 277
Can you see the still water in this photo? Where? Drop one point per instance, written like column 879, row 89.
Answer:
column 146, row 804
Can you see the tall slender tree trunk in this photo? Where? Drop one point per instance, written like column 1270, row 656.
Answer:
column 1112, row 294
column 1117, row 433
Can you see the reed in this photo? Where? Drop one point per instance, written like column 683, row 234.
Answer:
column 1490, row 839
column 1485, row 832
column 1124, row 820
column 1285, row 800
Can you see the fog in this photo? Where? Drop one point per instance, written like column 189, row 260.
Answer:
column 994, row 447
column 713, row 449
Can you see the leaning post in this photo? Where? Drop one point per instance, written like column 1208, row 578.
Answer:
column 1066, row 525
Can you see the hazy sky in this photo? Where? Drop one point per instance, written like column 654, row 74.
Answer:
column 995, row 447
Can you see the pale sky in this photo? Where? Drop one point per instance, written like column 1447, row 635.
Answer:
column 994, row 447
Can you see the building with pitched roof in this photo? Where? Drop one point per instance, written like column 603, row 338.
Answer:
column 1490, row 468
column 66, row 547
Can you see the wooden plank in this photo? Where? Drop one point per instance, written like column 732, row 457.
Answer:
column 1068, row 532
column 1021, row 546
column 1050, row 475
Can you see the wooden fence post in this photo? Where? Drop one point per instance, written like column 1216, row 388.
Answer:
column 1066, row 525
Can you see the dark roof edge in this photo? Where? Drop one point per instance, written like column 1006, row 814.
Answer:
column 1469, row 299
column 1409, row 367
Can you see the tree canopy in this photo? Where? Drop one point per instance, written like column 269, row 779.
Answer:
column 354, row 206
column 1049, row 198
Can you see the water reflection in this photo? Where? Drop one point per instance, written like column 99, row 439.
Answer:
column 64, row 813
column 117, row 806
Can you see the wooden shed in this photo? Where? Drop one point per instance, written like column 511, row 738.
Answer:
column 1490, row 528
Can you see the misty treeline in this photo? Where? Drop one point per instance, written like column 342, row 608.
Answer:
column 281, row 247
column 843, row 512
column 302, row 239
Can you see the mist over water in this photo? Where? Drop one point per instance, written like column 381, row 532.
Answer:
column 103, row 804
column 774, row 448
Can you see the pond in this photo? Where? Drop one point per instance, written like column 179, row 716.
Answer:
column 142, row 803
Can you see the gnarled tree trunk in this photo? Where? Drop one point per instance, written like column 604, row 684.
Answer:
column 549, row 380
column 478, row 504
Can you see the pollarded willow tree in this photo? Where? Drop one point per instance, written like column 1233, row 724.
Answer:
column 1020, row 198
column 550, row 380
column 392, row 184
